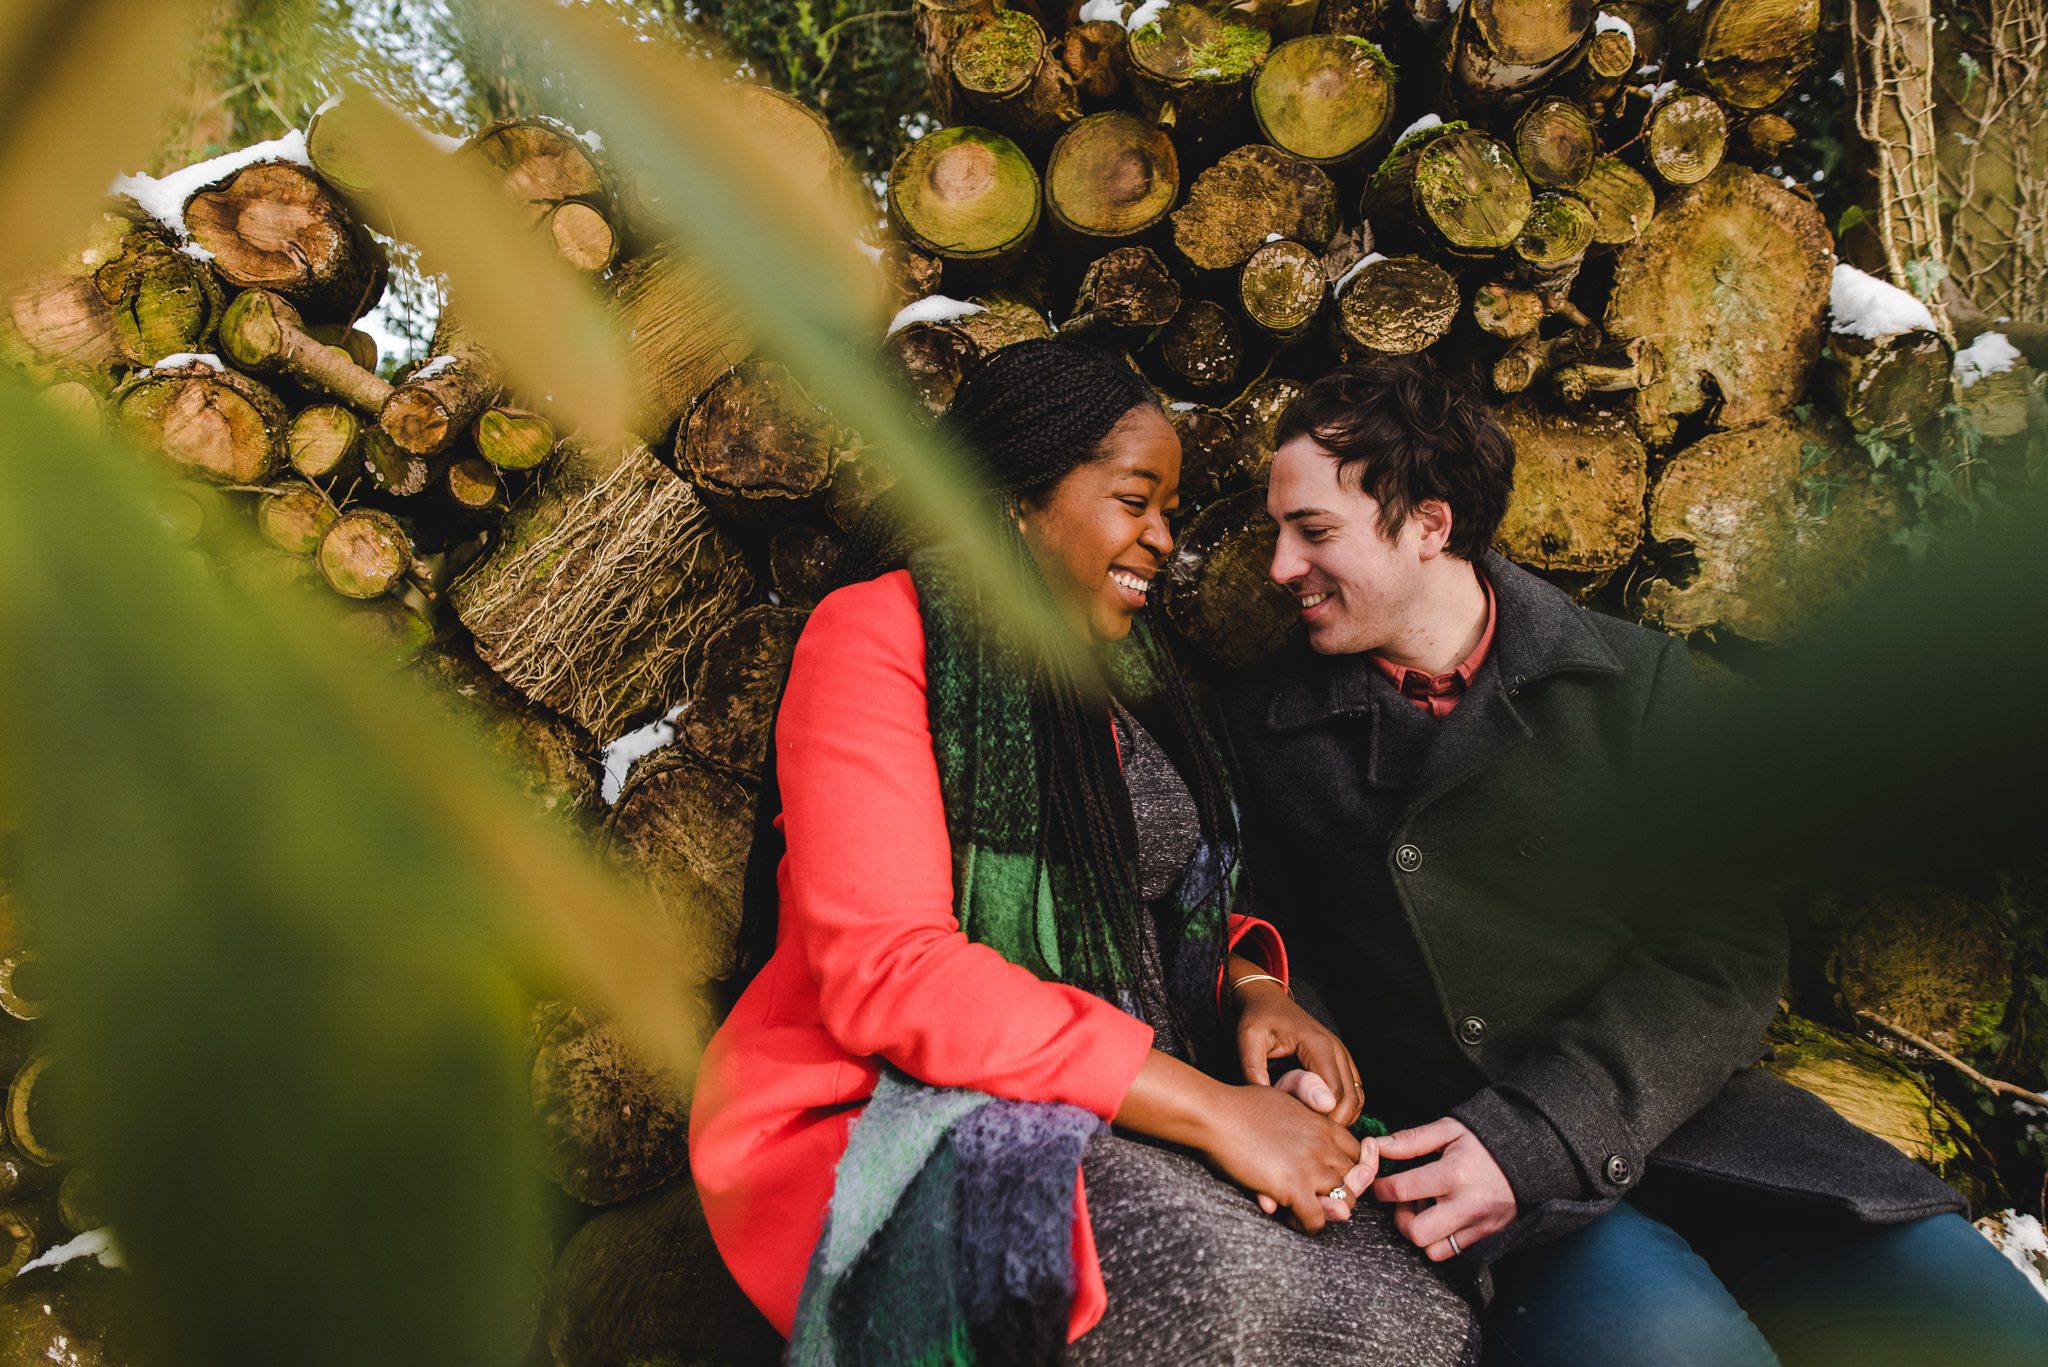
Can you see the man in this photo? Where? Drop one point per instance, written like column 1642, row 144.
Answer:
column 1432, row 776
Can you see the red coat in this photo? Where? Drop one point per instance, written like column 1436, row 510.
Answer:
column 870, row 965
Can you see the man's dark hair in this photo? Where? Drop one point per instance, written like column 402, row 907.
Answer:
column 1407, row 431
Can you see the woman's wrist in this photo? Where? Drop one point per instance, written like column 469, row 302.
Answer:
column 1173, row 1102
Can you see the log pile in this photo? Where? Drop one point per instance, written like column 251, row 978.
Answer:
column 1567, row 199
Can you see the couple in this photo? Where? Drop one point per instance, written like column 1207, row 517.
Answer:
column 1005, row 1084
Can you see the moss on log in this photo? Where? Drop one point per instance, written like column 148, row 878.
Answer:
column 1324, row 98
column 967, row 195
column 126, row 297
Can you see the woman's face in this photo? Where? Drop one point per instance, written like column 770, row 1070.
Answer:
column 1099, row 535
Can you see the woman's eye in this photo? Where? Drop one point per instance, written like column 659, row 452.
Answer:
column 1136, row 505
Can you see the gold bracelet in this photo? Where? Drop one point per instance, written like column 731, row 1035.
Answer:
column 1236, row 983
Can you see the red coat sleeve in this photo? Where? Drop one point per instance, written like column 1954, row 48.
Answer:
column 867, row 884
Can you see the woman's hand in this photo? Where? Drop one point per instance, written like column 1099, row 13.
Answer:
column 1270, row 1144
column 1271, row 1024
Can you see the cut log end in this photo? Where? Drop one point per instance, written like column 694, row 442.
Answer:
column 364, row 554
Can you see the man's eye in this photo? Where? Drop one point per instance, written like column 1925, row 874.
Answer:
column 1314, row 533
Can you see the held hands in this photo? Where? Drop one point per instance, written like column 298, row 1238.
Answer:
column 1270, row 1025
column 1267, row 1141
column 1462, row 1196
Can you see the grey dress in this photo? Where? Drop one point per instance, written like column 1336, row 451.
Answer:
column 1196, row 1273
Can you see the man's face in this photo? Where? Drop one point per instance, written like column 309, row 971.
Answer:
column 1357, row 588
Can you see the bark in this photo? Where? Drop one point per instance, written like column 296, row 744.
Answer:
column 1763, row 138
column 35, row 1120
column 967, row 195
column 644, row 1283
column 1398, row 305
column 736, row 689
column 1728, row 286
column 364, row 554
column 681, row 334
column 1580, row 483
column 1111, row 176
column 20, row 1178
column 599, row 595
column 681, row 829
column 558, row 183
column 293, row 517
column 1990, row 78
column 126, row 297
column 612, row 1127
column 1281, row 288
column 1324, row 98
column 1217, row 593
column 1770, row 554
column 426, row 412
column 277, row 226
column 1454, row 188
column 937, row 26
column 1007, row 77
column 910, row 273
column 261, row 331
column 756, row 445
column 1250, row 194
column 214, row 424
column 928, row 360
column 1093, row 56
column 1925, row 960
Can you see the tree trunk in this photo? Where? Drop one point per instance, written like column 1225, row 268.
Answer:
column 215, row 424
column 1202, row 347
column 1454, row 188
column 513, row 438
column 128, row 297
column 1580, row 483
column 324, row 442
column 1622, row 202
column 1686, row 137
column 968, row 196
column 1208, row 445
column 1191, row 68
column 1217, row 593
column 756, row 446
column 681, row 334
column 1892, row 384
column 1281, row 287
column 545, row 757
column 644, row 1283
column 1129, row 287
column 1501, row 49
column 937, row 26
column 364, row 554
column 1111, row 176
column 1728, row 287
column 79, row 1313
column 1008, row 79
column 427, row 411
column 1781, row 528
column 261, row 331
column 1556, row 143
column 1324, row 98
column 1750, row 53
column 802, row 561
column 1250, row 194
column 1926, row 960
column 558, row 182
column 35, row 1120
column 277, row 226
column 737, row 687
column 293, row 517
column 1397, row 305
column 598, row 598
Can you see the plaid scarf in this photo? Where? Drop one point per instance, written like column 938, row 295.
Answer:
column 949, row 1236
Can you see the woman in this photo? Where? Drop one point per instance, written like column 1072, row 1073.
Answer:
column 1005, row 917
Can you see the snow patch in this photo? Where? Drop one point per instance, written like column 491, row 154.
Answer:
column 1356, row 267
column 1102, row 12
column 178, row 358
column 1180, row 407
column 430, row 369
column 870, row 251
column 2023, row 1242
column 622, row 754
column 163, row 199
column 1273, row 237
column 1426, row 121
column 933, row 308
column 1147, row 13
column 1658, row 91
column 1990, row 354
column 1613, row 23
column 1864, row 306
column 589, row 138
column 95, row 1243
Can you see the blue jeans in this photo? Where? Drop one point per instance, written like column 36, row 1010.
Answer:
column 1757, row 1287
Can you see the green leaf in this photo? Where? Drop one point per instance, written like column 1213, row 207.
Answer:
column 1851, row 216
column 1971, row 70
column 1812, row 453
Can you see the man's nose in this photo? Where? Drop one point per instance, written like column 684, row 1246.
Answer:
column 1287, row 566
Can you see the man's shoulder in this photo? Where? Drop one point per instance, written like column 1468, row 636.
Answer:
column 1570, row 630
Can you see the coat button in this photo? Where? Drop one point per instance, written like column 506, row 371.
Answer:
column 1408, row 858
column 1529, row 846
column 1471, row 1030
column 1619, row 1170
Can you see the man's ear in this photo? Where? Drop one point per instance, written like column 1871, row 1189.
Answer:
column 1432, row 519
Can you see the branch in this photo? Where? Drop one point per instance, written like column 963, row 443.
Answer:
column 1989, row 1084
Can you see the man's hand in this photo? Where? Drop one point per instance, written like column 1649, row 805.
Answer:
column 1463, row 1195
column 1271, row 1025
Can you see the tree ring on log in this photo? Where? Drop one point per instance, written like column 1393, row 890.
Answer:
column 363, row 554
column 1623, row 203
column 1203, row 345
column 1470, row 190
column 1250, row 194
column 1556, row 143
column 1687, row 137
column 1281, row 287
column 1751, row 53
column 1323, row 97
column 1580, row 482
column 276, row 226
column 965, row 194
column 1557, row 233
column 1111, row 175
column 216, row 424
column 755, row 438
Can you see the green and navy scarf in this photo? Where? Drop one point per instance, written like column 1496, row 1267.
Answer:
column 949, row 1236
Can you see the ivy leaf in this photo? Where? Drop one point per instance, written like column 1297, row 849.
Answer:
column 1971, row 70
column 1851, row 216
column 1924, row 275
column 1811, row 453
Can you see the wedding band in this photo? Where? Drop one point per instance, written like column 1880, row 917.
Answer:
column 1454, row 1245
column 1340, row 1192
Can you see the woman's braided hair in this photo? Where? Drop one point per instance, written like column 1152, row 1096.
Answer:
column 1031, row 413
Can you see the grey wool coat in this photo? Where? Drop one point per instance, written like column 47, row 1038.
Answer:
column 1596, row 1019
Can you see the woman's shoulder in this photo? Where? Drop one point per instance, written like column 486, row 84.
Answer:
column 875, row 617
